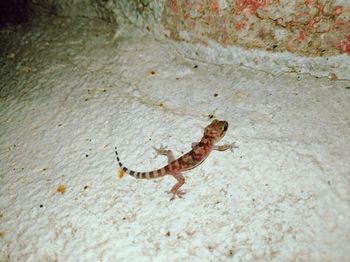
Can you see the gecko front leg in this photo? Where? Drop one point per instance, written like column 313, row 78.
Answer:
column 219, row 147
column 165, row 152
column 225, row 147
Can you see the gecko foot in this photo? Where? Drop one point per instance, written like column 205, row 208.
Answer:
column 178, row 193
column 232, row 146
column 161, row 151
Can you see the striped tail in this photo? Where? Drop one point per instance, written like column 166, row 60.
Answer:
column 141, row 175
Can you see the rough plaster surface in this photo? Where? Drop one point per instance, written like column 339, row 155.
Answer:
column 136, row 12
column 273, row 63
column 304, row 27
column 69, row 94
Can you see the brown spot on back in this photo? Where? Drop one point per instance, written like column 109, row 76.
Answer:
column 175, row 166
column 167, row 169
column 195, row 156
column 182, row 161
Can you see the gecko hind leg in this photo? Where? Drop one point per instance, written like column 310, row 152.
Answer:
column 175, row 189
column 178, row 176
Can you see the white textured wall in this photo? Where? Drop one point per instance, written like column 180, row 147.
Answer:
column 69, row 94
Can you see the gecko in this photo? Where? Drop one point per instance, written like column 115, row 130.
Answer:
column 213, row 133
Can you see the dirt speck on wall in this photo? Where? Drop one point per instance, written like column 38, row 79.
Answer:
column 303, row 27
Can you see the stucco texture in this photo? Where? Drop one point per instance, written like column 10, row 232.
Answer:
column 303, row 27
column 71, row 90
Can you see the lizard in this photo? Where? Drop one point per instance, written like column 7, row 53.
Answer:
column 213, row 133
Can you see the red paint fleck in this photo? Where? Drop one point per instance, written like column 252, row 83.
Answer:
column 251, row 5
column 338, row 10
column 214, row 6
column 209, row 20
column 174, row 6
column 301, row 36
column 225, row 34
column 188, row 5
column 199, row 7
column 344, row 45
column 338, row 22
column 239, row 26
column 309, row 3
column 193, row 24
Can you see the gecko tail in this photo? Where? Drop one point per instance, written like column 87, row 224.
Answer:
column 140, row 175
column 122, row 170
column 120, row 163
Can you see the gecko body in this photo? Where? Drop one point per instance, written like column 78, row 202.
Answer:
column 213, row 133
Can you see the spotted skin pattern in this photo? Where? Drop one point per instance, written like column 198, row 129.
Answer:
column 213, row 133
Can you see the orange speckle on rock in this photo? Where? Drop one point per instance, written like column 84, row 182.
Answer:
column 214, row 6
column 188, row 4
column 60, row 189
column 251, row 5
column 199, row 7
column 309, row 3
column 186, row 16
column 174, row 6
column 239, row 26
column 301, row 36
column 338, row 10
column 344, row 45
column 338, row 22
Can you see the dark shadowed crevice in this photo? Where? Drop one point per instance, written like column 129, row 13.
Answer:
column 13, row 12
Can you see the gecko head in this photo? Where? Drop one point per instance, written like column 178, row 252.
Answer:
column 216, row 130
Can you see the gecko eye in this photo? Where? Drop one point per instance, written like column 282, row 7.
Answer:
column 225, row 127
